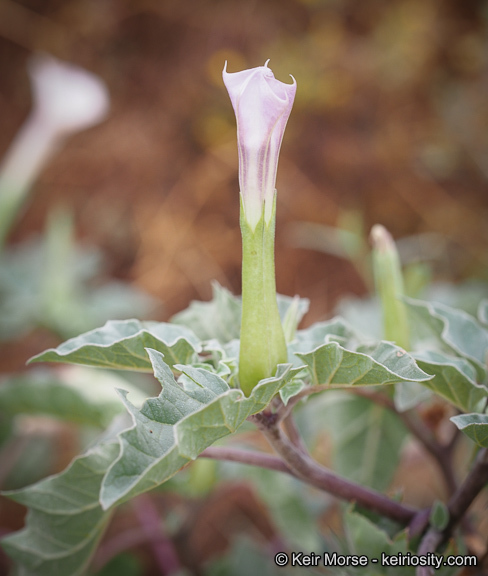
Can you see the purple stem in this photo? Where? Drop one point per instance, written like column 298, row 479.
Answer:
column 303, row 467
column 457, row 506
column 162, row 546
column 120, row 543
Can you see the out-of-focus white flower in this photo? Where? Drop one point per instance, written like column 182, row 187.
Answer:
column 262, row 106
column 66, row 99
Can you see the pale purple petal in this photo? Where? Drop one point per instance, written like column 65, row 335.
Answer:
column 262, row 106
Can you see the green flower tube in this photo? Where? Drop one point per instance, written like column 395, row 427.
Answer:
column 262, row 106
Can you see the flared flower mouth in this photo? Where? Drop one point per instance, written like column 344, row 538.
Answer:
column 262, row 106
column 67, row 98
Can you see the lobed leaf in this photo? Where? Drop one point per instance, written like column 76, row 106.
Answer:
column 65, row 520
column 121, row 344
column 334, row 366
column 457, row 330
column 475, row 426
column 171, row 430
column 70, row 511
column 220, row 318
column 291, row 389
column 334, row 330
column 453, row 378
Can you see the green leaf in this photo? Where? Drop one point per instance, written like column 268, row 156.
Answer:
column 336, row 329
column 120, row 344
column 294, row 508
column 454, row 379
column 439, row 515
column 74, row 395
column 220, row 318
column 65, row 520
column 363, row 314
column 334, row 366
column 291, row 389
column 407, row 395
column 457, row 330
column 125, row 564
column 366, row 538
column 174, row 428
column 37, row 458
column 475, row 426
column 48, row 281
column 483, row 312
column 367, row 438
column 246, row 556
column 291, row 311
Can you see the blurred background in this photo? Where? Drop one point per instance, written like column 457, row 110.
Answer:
column 390, row 126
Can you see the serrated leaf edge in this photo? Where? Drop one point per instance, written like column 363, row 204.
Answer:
column 283, row 370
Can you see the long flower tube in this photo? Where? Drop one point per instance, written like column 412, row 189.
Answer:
column 66, row 99
column 262, row 106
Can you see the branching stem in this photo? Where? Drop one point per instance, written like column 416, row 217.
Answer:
column 299, row 464
column 457, row 506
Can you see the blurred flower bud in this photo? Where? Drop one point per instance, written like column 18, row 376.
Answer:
column 389, row 286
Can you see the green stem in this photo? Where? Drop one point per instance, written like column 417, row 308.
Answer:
column 11, row 200
column 263, row 344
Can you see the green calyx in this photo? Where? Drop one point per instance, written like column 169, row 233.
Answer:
column 263, row 344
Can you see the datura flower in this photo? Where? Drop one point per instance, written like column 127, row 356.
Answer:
column 66, row 99
column 262, row 106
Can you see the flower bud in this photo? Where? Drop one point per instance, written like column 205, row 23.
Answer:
column 389, row 286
